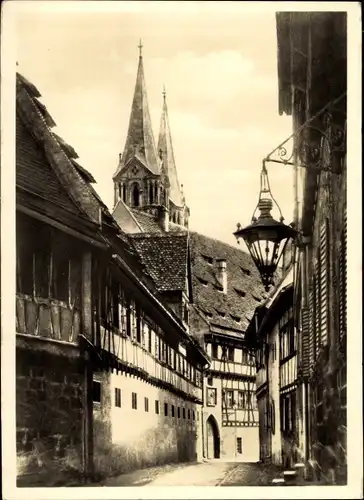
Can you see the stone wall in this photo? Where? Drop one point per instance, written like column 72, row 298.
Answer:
column 249, row 440
column 49, row 413
column 126, row 439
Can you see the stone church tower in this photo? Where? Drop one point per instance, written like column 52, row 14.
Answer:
column 146, row 178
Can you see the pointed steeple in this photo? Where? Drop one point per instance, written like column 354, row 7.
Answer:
column 140, row 139
column 165, row 145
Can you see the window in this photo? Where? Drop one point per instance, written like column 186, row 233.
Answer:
column 241, row 399
column 149, row 339
column 210, row 380
column 207, row 259
column 214, row 351
column 134, row 402
column 172, row 410
column 231, row 353
column 96, row 391
column 239, row 292
column 202, row 281
column 117, row 397
column 184, row 412
column 156, row 407
column 239, row 446
column 235, row 318
column 146, row 404
column 135, row 195
column 189, row 414
column 179, row 412
column 246, row 271
column 193, row 415
column 229, row 398
column 166, row 409
column 124, row 192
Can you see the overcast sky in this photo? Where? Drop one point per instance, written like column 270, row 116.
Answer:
column 218, row 62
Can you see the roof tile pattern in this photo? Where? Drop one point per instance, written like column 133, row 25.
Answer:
column 230, row 310
column 164, row 257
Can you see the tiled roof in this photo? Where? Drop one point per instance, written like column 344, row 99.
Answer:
column 244, row 290
column 151, row 225
column 165, row 145
column 45, row 163
column 140, row 139
column 165, row 257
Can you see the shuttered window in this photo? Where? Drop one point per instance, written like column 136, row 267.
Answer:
column 324, row 266
column 343, row 280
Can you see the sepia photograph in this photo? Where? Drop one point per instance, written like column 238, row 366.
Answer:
column 178, row 280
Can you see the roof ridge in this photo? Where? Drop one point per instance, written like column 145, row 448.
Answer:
column 244, row 252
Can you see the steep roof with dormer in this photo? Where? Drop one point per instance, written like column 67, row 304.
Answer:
column 140, row 142
column 231, row 310
column 166, row 147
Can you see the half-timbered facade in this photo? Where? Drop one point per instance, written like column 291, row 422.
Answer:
column 108, row 378
column 273, row 339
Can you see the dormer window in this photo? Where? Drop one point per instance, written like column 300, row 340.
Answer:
column 208, row 259
column 221, row 313
column 219, row 288
column 256, row 298
column 246, row 271
column 235, row 318
column 239, row 292
column 202, row 281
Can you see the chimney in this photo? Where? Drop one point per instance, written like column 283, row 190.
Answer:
column 163, row 219
column 222, row 274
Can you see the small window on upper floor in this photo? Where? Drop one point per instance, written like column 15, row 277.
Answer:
column 221, row 313
column 207, row 259
column 117, row 397
column 96, row 391
column 214, row 351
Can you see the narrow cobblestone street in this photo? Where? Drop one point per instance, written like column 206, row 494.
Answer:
column 209, row 473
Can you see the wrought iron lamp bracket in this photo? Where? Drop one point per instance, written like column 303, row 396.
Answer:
column 318, row 144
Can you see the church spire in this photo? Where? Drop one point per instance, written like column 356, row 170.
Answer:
column 165, row 145
column 140, row 140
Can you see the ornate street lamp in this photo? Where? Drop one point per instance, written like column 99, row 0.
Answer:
column 266, row 238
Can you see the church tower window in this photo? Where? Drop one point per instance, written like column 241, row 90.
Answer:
column 119, row 190
column 124, row 193
column 151, row 197
column 136, row 195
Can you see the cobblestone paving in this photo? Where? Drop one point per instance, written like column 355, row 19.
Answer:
column 209, row 473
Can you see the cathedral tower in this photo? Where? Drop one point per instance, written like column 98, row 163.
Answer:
column 178, row 211
column 146, row 178
column 137, row 180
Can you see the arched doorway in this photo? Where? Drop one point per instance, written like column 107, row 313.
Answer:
column 213, row 438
